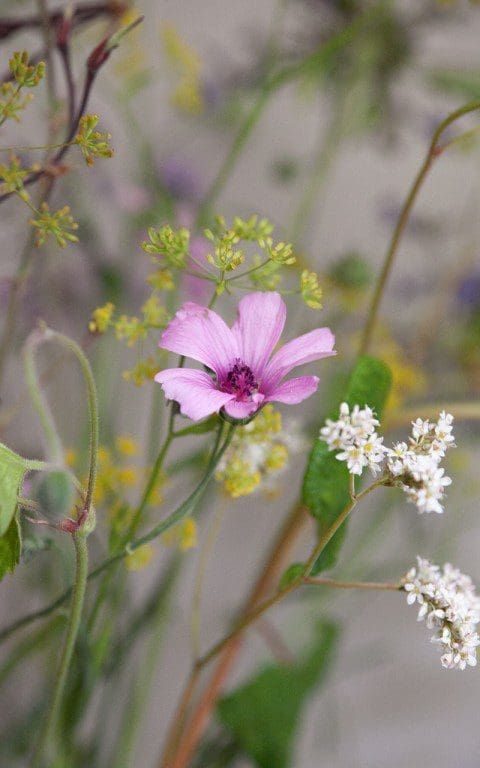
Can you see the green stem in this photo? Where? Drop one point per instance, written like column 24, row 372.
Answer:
column 432, row 153
column 152, row 480
column 73, row 347
column 205, row 554
column 185, row 508
column 374, row 585
column 281, row 593
column 234, row 153
column 39, row 147
column 54, row 446
column 41, row 757
column 321, row 163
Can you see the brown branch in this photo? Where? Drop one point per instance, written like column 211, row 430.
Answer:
column 83, row 12
column 180, row 747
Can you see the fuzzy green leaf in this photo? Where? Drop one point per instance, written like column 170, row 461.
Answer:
column 12, row 471
column 10, row 548
column 326, row 480
column 263, row 714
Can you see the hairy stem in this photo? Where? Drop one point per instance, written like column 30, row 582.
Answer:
column 44, row 749
column 433, row 152
column 185, row 508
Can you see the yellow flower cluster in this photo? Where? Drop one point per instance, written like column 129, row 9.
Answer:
column 310, row 289
column 183, row 535
column 188, row 94
column 59, row 224
column 257, row 450
column 114, row 476
column 91, row 142
column 101, row 318
column 23, row 75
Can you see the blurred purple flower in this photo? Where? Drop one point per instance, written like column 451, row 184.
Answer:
column 468, row 293
column 180, row 179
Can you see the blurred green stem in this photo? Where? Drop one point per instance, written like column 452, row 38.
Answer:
column 44, row 749
column 185, row 508
column 54, row 446
column 321, row 163
column 433, row 152
column 249, row 122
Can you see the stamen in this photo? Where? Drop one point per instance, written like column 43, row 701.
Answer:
column 240, row 381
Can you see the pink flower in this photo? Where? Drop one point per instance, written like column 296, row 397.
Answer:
column 246, row 375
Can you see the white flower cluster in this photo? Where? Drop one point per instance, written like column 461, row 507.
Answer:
column 354, row 434
column 414, row 467
column 450, row 606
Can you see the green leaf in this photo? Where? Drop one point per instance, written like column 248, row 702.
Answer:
column 326, row 480
column 199, row 429
column 290, row 574
column 10, row 548
column 263, row 714
column 12, row 471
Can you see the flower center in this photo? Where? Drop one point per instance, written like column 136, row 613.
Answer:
column 240, row 381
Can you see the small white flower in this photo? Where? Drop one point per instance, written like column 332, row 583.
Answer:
column 449, row 605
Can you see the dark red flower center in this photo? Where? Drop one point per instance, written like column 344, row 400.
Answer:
column 240, row 381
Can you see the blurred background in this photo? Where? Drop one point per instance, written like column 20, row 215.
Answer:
column 201, row 120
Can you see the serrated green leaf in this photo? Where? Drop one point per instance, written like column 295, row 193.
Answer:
column 12, row 471
column 263, row 714
column 326, row 480
column 10, row 548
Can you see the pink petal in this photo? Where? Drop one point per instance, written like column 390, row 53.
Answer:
column 294, row 390
column 261, row 317
column 193, row 390
column 199, row 333
column 311, row 346
column 240, row 409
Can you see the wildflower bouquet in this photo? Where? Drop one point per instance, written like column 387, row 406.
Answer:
column 207, row 400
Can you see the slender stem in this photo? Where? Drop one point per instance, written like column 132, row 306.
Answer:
column 38, row 147
column 152, row 480
column 185, row 508
column 141, row 685
column 205, row 554
column 249, row 123
column 184, row 748
column 269, row 575
column 352, row 584
column 49, row 42
column 248, row 271
column 52, row 438
column 320, row 167
column 93, row 409
column 44, row 748
column 433, row 152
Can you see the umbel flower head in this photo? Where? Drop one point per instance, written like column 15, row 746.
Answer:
column 245, row 373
